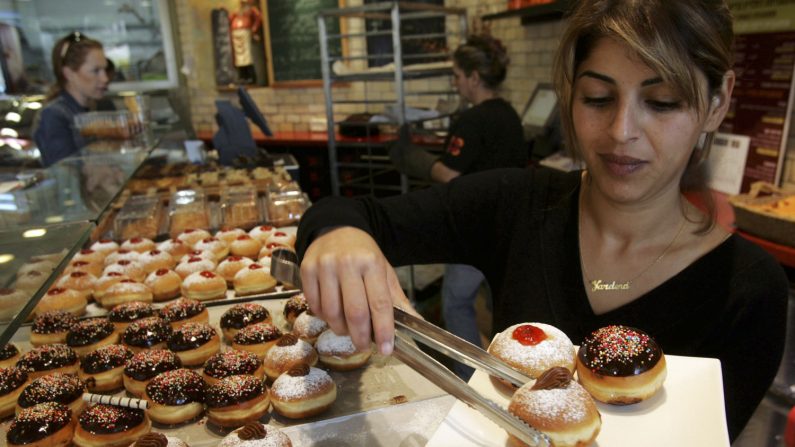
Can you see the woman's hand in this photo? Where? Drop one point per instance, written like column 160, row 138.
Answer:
column 348, row 282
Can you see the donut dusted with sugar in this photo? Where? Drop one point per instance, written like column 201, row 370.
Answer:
column 65, row 389
column 217, row 247
column 303, row 391
column 245, row 245
column 102, row 370
column 236, row 400
column 229, row 234
column 194, row 264
column 156, row 259
column 165, row 284
column 176, row 248
column 241, row 315
column 82, row 282
column 46, row 424
column 183, row 310
column 252, row 280
column 104, row 282
column 232, row 363
column 105, row 246
column 533, row 348
column 281, row 237
column 255, row 434
column 288, row 351
column 309, row 327
column 261, row 232
column 191, row 236
column 338, row 352
column 132, row 269
column 12, row 382
column 103, row 425
column 139, row 244
column 49, row 359
column 204, row 286
column 89, row 255
column 559, row 407
column 175, row 396
column 62, row 299
column 125, row 291
column 145, row 365
column 620, row 365
column 231, row 265
column 121, row 255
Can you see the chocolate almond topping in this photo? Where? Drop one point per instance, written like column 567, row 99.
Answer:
column 152, row 440
column 557, row 377
column 287, row 340
column 299, row 370
column 252, row 430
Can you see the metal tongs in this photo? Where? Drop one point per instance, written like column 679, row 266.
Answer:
column 284, row 267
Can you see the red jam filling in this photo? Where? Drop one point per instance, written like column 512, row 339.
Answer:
column 123, row 262
column 56, row 291
column 77, row 274
column 115, row 274
column 189, row 230
column 123, row 251
column 266, row 228
column 243, row 237
column 209, row 239
column 529, row 335
column 86, row 251
column 280, row 234
column 79, row 263
column 255, row 266
column 195, row 259
column 136, row 240
column 161, row 272
column 207, row 274
column 234, row 258
column 128, row 280
column 154, row 252
column 105, row 241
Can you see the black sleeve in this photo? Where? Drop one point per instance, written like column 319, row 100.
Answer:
column 54, row 136
column 447, row 223
column 465, row 142
column 755, row 342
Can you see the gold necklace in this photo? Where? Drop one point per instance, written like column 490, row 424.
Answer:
column 600, row 285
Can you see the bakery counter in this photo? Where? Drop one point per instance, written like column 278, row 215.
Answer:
column 383, row 403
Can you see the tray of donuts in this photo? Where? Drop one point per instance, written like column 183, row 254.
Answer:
column 227, row 265
column 201, row 374
column 616, row 389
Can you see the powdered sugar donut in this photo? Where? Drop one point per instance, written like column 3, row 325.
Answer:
column 261, row 232
column 533, row 348
column 132, row 269
column 204, row 285
column 105, row 246
column 245, row 245
column 287, row 352
column 122, row 254
column 231, row 265
column 255, row 434
column 175, row 247
column 338, row 352
column 229, row 234
column 165, row 284
column 139, row 244
column 281, row 237
column 193, row 265
column 217, row 247
column 204, row 254
column 309, row 327
column 125, row 291
column 191, row 236
column 156, row 259
column 303, row 391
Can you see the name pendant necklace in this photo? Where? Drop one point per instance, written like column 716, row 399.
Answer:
column 601, row 285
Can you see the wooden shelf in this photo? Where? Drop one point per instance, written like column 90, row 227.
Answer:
column 536, row 13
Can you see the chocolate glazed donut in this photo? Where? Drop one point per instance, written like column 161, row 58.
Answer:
column 48, row 359
column 110, row 425
column 176, row 396
column 47, row 420
column 147, row 333
column 232, row 363
column 145, row 365
column 236, row 400
column 57, row 387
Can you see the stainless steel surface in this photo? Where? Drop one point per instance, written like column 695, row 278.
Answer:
column 284, row 267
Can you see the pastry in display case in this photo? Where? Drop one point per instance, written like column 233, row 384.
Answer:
column 188, row 210
column 138, row 218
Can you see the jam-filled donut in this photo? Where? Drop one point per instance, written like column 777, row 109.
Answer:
column 257, row 338
column 267, row 249
column 12, row 382
column 236, row 400
column 48, row 359
column 31, row 281
column 620, row 365
column 139, row 244
column 288, row 351
column 194, row 343
column 230, row 266
column 91, row 334
column 261, row 232
column 194, row 264
column 294, row 307
column 132, row 269
column 156, row 259
column 559, row 407
column 183, row 310
column 309, row 327
column 105, row 246
column 59, row 298
column 174, row 247
column 164, row 283
column 253, row 279
column 125, row 291
column 245, row 245
column 65, row 389
column 203, row 254
column 81, row 282
column 146, row 333
column 102, row 370
column 255, row 434
column 104, row 282
column 229, row 234
column 191, row 236
column 281, row 237
column 121, row 255
column 144, row 366
column 218, row 247
column 9, row 355
column 204, row 286
column 51, row 327
column 175, row 396
column 122, row 315
column 106, row 426
column 154, row 439
column 303, row 391
column 89, row 255
column 49, row 424
column 241, row 315
column 232, row 363
column 94, row 268
column 338, row 352
column 533, row 348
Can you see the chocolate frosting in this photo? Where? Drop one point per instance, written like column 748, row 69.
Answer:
column 8, row 351
column 47, row 357
column 257, row 333
column 146, row 332
column 242, row 315
column 89, row 331
column 178, row 387
column 152, row 440
column 181, row 309
column 251, row 431
column 107, row 419
column 234, row 390
column 190, row 336
column 295, row 305
column 105, row 359
column 299, row 370
column 11, row 379
column 36, row 423
column 148, row 364
column 555, row 377
column 619, row 351
column 53, row 321
column 56, row 387
column 127, row 312
column 231, row 363
column 287, row 340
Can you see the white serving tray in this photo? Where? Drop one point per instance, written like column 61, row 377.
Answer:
column 688, row 411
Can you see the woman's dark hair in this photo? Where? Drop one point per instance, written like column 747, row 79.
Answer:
column 678, row 39
column 70, row 51
column 485, row 55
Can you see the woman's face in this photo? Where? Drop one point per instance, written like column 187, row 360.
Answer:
column 90, row 81
column 463, row 84
column 635, row 133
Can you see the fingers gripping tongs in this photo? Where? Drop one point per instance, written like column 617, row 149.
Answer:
column 409, row 327
column 284, row 267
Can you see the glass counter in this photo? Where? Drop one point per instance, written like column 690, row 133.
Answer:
column 72, row 190
column 30, row 259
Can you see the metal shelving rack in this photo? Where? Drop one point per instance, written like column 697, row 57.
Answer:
column 365, row 165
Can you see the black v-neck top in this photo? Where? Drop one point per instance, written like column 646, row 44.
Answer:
column 519, row 227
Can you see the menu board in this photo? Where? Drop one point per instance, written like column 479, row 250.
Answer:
column 762, row 101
